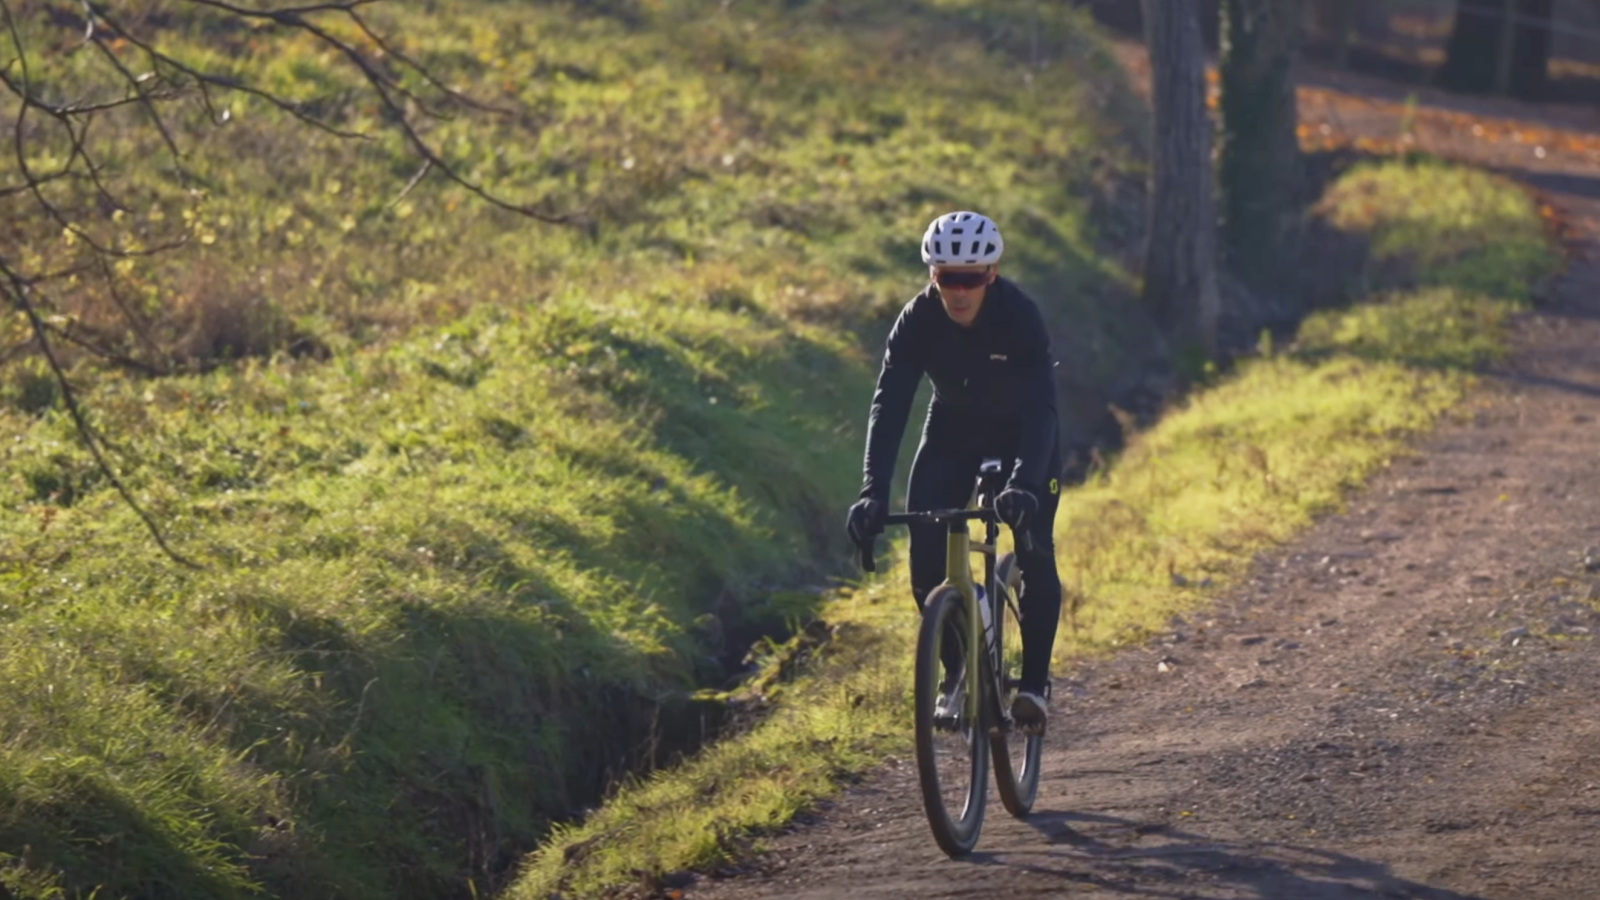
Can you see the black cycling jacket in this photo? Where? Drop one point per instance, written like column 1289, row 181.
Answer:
column 992, row 378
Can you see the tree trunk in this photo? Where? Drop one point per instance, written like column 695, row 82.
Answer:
column 1334, row 24
column 1128, row 17
column 1530, row 52
column 1180, row 277
column 1476, row 60
column 1259, row 163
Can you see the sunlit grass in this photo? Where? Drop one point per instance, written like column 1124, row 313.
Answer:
column 850, row 709
column 791, row 149
column 1444, row 226
column 423, row 561
column 1240, row 468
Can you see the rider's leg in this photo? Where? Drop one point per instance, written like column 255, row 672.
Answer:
column 1040, row 603
column 941, row 478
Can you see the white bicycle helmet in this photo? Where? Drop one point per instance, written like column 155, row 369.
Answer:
column 962, row 239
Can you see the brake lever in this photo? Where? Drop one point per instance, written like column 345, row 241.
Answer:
column 865, row 551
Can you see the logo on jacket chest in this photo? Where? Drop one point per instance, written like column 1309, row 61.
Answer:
column 998, row 356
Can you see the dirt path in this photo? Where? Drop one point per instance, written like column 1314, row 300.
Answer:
column 1403, row 704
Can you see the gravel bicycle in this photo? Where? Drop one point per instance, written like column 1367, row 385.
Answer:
column 979, row 625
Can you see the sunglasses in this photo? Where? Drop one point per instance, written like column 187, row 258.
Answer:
column 961, row 280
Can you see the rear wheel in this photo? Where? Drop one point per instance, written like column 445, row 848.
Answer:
column 1016, row 756
column 952, row 750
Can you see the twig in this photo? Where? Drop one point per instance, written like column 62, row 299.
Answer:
column 18, row 294
column 427, row 164
column 361, row 706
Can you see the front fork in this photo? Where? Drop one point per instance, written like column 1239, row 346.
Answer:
column 958, row 571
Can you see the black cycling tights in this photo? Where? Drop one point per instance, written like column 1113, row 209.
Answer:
column 942, row 478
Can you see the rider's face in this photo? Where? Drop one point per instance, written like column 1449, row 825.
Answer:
column 961, row 296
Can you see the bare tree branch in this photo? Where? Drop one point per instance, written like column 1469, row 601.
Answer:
column 226, row 82
column 80, row 140
column 288, row 15
column 64, row 178
column 35, row 181
column 17, row 291
column 418, row 145
column 141, row 325
column 427, row 166
column 452, row 93
column 101, row 349
column 59, row 274
column 138, row 87
column 81, row 109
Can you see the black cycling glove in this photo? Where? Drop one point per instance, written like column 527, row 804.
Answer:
column 1015, row 506
column 865, row 521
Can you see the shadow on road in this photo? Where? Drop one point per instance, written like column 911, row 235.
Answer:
column 1137, row 859
column 1577, row 185
column 1560, row 384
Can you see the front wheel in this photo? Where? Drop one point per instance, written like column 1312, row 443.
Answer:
column 952, row 752
column 1016, row 756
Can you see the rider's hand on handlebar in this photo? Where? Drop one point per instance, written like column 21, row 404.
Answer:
column 1015, row 506
column 865, row 521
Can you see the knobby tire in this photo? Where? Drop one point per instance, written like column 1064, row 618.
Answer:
column 1016, row 777
column 955, row 831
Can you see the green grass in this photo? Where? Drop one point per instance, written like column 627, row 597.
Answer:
column 839, row 719
column 482, row 502
column 1238, row 468
column 424, row 564
column 796, row 149
column 1434, row 224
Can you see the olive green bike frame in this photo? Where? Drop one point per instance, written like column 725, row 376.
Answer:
column 958, row 574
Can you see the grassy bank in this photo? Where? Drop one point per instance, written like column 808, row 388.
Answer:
column 1451, row 254
column 479, row 501
column 1240, row 467
column 776, row 154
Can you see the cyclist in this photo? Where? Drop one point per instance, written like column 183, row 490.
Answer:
column 982, row 343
